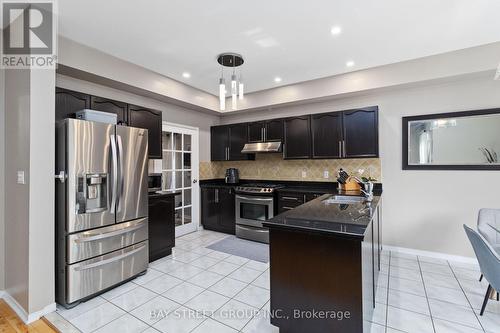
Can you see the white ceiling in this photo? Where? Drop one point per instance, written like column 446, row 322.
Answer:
column 286, row 38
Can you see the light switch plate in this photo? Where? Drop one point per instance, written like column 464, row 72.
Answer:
column 326, row 174
column 20, row 177
column 304, row 174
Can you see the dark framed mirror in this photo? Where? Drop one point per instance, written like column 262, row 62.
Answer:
column 468, row 140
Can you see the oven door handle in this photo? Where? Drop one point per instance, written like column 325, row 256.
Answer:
column 254, row 198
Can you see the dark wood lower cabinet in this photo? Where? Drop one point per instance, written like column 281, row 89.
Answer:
column 327, row 286
column 288, row 200
column 161, row 226
column 227, row 209
column 218, row 209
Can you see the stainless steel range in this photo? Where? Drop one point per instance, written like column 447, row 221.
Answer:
column 255, row 203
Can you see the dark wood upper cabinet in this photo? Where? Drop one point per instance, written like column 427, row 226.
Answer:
column 227, row 141
column 361, row 132
column 111, row 106
column 274, row 130
column 238, row 136
column 264, row 131
column 326, row 131
column 297, row 138
column 340, row 134
column 256, row 132
column 69, row 102
column 150, row 120
column 219, row 143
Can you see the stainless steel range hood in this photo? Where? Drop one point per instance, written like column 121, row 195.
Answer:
column 262, row 147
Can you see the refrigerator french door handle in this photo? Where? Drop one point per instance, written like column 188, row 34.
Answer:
column 120, row 155
column 114, row 159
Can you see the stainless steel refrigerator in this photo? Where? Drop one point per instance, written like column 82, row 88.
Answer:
column 101, row 207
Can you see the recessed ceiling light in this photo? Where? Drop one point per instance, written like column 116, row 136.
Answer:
column 186, row 75
column 277, row 79
column 350, row 63
column 336, row 30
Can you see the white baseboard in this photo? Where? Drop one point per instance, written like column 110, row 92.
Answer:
column 27, row 318
column 437, row 255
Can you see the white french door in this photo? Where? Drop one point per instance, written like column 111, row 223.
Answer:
column 180, row 168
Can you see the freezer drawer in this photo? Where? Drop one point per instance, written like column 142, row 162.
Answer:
column 92, row 276
column 96, row 242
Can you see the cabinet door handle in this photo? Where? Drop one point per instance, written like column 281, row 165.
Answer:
column 227, row 153
column 290, row 198
column 343, row 148
column 265, row 134
column 262, row 134
column 340, row 148
column 216, row 195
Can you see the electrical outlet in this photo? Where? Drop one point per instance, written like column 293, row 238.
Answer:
column 20, row 177
column 304, row 174
column 326, row 174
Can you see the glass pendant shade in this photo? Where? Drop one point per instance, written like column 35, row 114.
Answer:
column 233, row 91
column 222, row 94
column 240, row 90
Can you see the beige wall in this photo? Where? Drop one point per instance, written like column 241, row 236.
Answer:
column 171, row 113
column 41, row 195
column 2, row 176
column 422, row 209
column 29, row 207
column 17, row 127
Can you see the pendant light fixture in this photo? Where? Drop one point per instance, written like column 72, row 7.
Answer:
column 222, row 94
column 240, row 88
column 234, row 92
column 230, row 60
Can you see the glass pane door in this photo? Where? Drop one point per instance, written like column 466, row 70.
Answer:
column 178, row 168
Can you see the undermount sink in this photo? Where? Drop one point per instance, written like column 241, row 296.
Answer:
column 343, row 199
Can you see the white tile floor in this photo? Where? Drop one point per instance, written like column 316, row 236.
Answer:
column 195, row 289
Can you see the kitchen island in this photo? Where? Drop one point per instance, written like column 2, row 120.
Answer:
column 325, row 259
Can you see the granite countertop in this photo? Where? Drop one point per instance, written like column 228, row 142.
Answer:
column 307, row 189
column 163, row 194
column 217, row 185
column 288, row 185
column 295, row 186
column 346, row 220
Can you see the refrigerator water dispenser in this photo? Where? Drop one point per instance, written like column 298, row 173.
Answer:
column 91, row 195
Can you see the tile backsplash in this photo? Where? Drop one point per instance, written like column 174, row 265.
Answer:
column 274, row 167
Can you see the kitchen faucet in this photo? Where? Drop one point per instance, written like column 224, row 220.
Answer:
column 368, row 191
